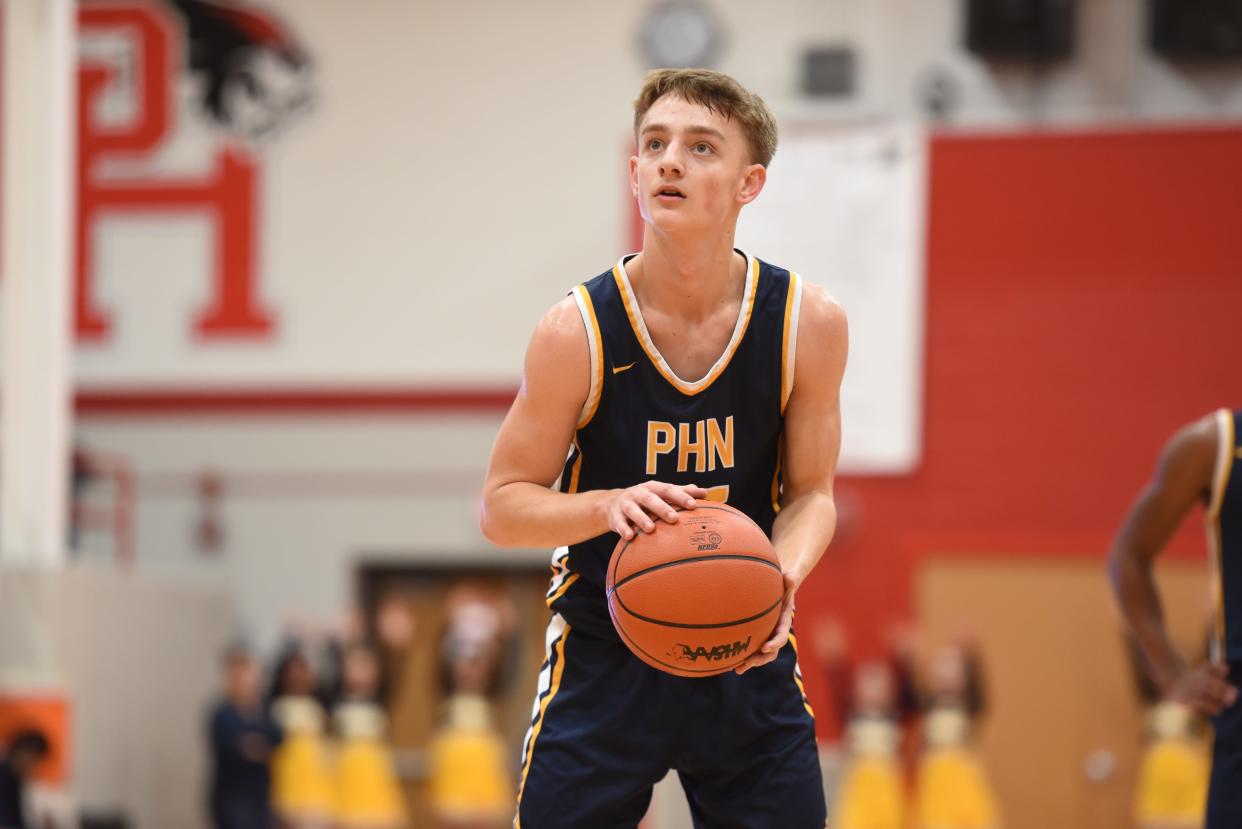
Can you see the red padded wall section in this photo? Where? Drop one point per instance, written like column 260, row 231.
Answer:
column 1084, row 299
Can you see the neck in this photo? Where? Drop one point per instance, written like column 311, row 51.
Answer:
column 688, row 274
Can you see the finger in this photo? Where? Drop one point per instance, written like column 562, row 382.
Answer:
column 635, row 515
column 1217, row 689
column 657, row 505
column 1217, row 669
column 1231, row 696
column 1206, row 705
column 1209, row 699
column 781, row 635
column 618, row 524
column 680, row 495
column 755, row 660
column 778, row 639
column 694, row 490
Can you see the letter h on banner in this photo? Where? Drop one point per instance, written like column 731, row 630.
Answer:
column 227, row 194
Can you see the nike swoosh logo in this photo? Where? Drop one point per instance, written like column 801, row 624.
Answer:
column 619, row 369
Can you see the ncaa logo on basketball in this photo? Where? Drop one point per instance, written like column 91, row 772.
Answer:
column 716, row 653
column 705, row 542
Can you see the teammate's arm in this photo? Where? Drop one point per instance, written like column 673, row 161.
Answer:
column 1183, row 477
column 808, row 516
column 519, row 507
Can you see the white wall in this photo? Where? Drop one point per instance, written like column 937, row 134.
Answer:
column 303, row 501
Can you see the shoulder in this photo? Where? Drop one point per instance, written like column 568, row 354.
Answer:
column 1189, row 456
column 823, row 332
column 561, row 325
column 820, row 312
column 558, row 358
column 1198, row 439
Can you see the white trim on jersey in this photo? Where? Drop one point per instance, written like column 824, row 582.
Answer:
column 596, row 353
column 791, row 347
column 560, row 570
column 739, row 328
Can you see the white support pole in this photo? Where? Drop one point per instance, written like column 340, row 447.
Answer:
column 36, row 239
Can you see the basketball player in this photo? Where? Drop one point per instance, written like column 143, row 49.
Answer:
column 688, row 370
column 1197, row 466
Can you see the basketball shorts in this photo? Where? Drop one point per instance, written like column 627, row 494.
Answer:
column 1224, row 809
column 606, row 727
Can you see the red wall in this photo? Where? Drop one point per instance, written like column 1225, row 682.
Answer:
column 1084, row 300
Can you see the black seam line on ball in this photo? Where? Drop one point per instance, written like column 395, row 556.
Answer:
column 698, row 672
column 616, row 585
column 710, row 626
column 616, row 563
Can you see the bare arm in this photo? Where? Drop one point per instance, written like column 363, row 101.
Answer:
column 808, row 516
column 1183, row 477
column 519, row 507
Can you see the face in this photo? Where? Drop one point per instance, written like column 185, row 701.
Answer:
column 693, row 169
column 873, row 687
column 242, row 679
column 948, row 672
column 361, row 672
column 297, row 678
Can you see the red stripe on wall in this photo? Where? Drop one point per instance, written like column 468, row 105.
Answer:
column 196, row 403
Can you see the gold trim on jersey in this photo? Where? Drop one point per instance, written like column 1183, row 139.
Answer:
column 797, row 675
column 1225, row 446
column 644, row 337
column 558, row 632
column 776, row 473
column 576, row 470
column 789, row 337
column 562, row 577
column 596, row 343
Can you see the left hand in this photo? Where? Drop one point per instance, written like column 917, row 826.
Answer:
column 771, row 648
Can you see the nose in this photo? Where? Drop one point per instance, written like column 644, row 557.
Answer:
column 671, row 162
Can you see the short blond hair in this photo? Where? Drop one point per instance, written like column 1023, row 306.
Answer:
column 720, row 94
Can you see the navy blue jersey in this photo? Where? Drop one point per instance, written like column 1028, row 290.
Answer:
column 1224, row 523
column 642, row 422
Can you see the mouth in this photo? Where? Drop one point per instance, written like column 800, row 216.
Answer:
column 669, row 193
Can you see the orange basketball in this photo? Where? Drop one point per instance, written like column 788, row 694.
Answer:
column 697, row 597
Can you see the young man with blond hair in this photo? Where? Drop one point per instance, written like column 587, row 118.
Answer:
column 696, row 335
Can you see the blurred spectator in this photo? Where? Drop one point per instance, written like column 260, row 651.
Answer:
column 368, row 795
column 302, row 789
column 243, row 737
column 471, row 768
column 953, row 790
column 1174, row 768
column 1174, row 771
column 293, row 674
column 871, row 702
column 26, row 749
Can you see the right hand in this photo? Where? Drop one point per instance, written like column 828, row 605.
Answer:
column 639, row 506
column 1204, row 688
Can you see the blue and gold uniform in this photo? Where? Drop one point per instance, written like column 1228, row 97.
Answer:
column 1224, row 525
column 606, row 727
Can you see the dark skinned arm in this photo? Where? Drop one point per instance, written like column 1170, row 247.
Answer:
column 1183, row 478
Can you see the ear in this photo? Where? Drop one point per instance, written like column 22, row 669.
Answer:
column 752, row 183
column 634, row 176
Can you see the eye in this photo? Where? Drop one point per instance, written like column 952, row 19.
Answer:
column 702, row 148
column 654, row 144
